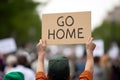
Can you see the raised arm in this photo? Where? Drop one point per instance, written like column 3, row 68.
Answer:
column 88, row 72
column 41, row 50
column 90, row 46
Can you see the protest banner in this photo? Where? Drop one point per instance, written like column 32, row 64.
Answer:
column 66, row 28
column 99, row 50
column 7, row 45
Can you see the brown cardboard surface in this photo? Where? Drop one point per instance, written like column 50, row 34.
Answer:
column 66, row 28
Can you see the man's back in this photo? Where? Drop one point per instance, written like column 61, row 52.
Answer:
column 86, row 75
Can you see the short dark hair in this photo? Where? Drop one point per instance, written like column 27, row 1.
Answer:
column 58, row 68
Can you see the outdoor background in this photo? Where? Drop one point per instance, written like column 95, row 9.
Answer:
column 20, row 22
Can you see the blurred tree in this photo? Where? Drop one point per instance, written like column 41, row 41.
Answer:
column 19, row 19
column 109, row 32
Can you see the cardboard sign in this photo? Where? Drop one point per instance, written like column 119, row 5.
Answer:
column 113, row 52
column 7, row 46
column 66, row 28
column 99, row 50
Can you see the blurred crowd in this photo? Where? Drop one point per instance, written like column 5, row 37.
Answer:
column 25, row 60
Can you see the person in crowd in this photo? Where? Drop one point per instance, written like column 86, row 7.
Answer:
column 11, row 63
column 116, row 69
column 59, row 68
column 2, row 66
column 23, row 67
column 79, row 66
column 99, row 71
column 13, row 76
column 106, row 64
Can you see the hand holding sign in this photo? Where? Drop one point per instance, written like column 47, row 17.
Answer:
column 66, row 28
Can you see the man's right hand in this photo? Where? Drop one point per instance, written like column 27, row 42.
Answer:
column 41, row 48
column 90, row 46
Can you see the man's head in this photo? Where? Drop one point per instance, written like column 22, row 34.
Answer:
column 11, row 60
column 96, row 59
column 58, row 68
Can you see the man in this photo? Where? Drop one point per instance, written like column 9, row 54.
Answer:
column 86, row 75
column 22, row 66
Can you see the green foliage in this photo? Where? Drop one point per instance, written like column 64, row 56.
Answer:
column 109, row 32
column 17, row 18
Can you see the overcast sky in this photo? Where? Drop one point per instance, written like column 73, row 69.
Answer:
column 99, row 8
